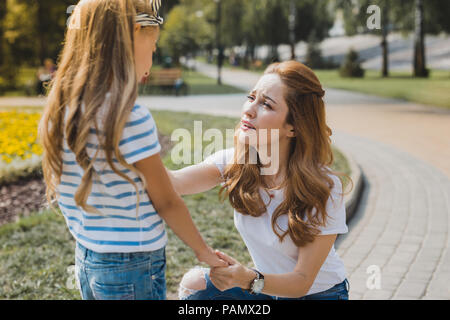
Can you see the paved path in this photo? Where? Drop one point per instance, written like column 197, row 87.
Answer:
column 402, row 223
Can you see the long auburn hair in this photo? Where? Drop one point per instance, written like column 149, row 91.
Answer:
column 97, row 58
column 307, row 185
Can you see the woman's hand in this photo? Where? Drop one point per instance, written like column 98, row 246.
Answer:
column 235, row 275
column 209, row 257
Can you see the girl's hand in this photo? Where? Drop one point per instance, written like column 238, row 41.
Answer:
column 209, row 257
column 235, row 275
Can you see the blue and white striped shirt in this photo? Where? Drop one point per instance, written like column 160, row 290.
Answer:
column 119, row 228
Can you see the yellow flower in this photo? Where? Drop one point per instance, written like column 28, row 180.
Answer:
column 18, row 135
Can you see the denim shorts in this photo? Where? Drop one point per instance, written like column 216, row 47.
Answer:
column 337, row 292
column 120, row 276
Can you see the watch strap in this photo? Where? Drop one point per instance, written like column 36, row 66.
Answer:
column 259, row 276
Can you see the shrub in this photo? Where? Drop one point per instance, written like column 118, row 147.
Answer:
column 314, row 58
column 351, row 68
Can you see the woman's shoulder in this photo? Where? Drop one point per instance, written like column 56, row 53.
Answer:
column 337, row 182
column 220, row 157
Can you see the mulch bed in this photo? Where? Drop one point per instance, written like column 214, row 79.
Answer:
column 23, row 197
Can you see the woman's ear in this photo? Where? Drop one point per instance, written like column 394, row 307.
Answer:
column 291, row 131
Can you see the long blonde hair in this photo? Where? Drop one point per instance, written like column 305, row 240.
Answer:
column 97, row 58
column 308, row 184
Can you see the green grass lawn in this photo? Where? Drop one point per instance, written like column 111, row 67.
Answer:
column 36, row 251
column 433, row 91
column 201, row 84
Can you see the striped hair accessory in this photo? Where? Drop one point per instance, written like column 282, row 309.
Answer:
column 146, row 20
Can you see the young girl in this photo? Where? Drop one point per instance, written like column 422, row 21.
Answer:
column 288, row 218
column 101, row 155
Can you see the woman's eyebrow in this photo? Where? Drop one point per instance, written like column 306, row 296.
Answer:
column 269, row 98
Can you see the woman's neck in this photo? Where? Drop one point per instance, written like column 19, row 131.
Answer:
column 277, row 164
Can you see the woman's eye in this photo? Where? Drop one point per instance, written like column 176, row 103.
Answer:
column 250, row 97
column 267, row 105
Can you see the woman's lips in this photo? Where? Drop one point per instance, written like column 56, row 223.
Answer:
column 245, row 125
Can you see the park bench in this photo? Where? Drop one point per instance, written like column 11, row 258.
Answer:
column 167, row 79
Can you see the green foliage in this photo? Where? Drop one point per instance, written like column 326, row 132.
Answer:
column 185, row 30
column 400, row 15
column 314, row 58
column 34, row 30
column 249, row 22
column 312, row 18
column 351, row 66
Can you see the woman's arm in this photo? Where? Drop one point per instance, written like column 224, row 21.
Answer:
column 195, row 179
column 173, row 210
column 294, row 284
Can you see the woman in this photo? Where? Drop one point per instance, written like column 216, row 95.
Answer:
column 288, row 217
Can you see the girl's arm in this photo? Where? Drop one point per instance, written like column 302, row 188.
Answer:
column 173, row 210
column 294, row 284
column 195, row 179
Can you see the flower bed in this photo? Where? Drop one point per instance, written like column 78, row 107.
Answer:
column 20, row 152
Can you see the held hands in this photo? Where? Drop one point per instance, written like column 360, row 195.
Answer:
column 234, row 275
column 209, row 257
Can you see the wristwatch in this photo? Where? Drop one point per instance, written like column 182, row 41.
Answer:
column 257, row 284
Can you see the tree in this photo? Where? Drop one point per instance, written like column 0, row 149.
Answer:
column 420, row 69
column 185, row 31
column 2, row 31
column 34, row 30
column 166, row 6
column 418, row 16
column 355, row 21
column 351, row 66
column 269, row 22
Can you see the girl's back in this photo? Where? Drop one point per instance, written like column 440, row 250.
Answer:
column 118, row 226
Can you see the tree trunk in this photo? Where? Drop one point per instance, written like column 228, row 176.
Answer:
column 2, row 30
column 42, row 18
column 292, row 21
column 247, row 56
column 419, row 42
column 384, row 41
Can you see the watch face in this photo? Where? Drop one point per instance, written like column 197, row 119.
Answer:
column 258, row 285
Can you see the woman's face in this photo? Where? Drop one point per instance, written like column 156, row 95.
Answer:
column 144, row 46
column 265, row 108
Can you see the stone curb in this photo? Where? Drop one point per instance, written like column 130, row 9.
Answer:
column 352, row 198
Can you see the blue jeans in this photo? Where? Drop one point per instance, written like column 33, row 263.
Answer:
column 120, row 276
column 338, row 292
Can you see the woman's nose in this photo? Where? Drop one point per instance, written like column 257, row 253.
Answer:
column 249, row 109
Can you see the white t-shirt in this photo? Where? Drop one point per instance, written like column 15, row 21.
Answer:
column 271, row 256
